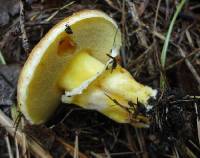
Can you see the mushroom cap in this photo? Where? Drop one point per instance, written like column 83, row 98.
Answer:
column 38, row 90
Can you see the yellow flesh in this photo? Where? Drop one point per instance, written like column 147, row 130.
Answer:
column 121, row 83
column 81, row 68
column 39, row 92
column 118, row 85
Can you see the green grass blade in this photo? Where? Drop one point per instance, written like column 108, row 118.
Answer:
column 167, row 39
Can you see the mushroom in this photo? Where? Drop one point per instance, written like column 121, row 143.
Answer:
column 71, row 63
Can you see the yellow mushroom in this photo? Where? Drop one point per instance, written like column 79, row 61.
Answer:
column 71, row 63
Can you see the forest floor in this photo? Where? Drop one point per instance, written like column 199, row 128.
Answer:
column 148, row 52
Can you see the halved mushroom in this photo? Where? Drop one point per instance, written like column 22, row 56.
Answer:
column 72, row 58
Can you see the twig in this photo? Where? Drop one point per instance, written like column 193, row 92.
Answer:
column 196, row 51
column 141, row 35
column 142, row 7
column 190, row 66
column 141, row 57
column 10, row 30
column 37, row 150
column 25, row 42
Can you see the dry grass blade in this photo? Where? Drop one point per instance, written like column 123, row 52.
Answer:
column 194, row 145
column 71, row 149
column 110, row 3
column 141, row 142
column 2, row 60
column 130, row 139
column 123, row 20
column 76, row 150
column 198, row 122
column 189, row 38
column 24, row 140
column 25, row 41
column 37, row 150
column 156, row 17
column 17, row 149
column 96, row 155
column 57, row 11
column 10, row 153
column 106, row 151
column 190, row 153
column 176, row 152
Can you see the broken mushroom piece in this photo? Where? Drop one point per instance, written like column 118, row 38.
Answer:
column 115, row 94
column 73, row 65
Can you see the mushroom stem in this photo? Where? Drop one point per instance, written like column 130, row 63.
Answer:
column 82, row 67
column 114, row 93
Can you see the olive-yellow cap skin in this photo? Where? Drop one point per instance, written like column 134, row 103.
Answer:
column 39, row 93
